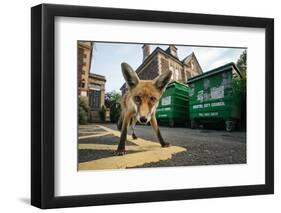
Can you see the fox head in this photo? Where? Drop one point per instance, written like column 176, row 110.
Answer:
column 144, row 94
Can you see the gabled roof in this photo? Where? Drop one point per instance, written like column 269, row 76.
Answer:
column 166, row 53
column 168, row 50
column 155, row 51
column 188, row 58
column 150, row 57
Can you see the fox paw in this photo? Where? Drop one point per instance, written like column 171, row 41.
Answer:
column 165, row 144
column 134, row 136
column 120, row 152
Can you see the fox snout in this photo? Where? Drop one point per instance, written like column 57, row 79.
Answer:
column 144, row 112
column 143, row 119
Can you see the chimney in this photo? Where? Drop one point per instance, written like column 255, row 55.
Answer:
column 146, row 51
column 173, row 50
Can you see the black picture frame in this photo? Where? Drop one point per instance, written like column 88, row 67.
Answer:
column 43, row 105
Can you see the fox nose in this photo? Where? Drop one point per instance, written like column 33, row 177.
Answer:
column 143, row 119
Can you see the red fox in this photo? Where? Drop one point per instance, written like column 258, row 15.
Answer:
column 140, row 103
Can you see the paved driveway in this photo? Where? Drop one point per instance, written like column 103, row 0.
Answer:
column 98, row 142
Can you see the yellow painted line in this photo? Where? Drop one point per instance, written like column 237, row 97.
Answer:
column 89, row 127
column 110, row 147
column 97, row 146
column 139, row 141
column 150, row 152
column 88, row 132
column 95, row 135
column 132, row 160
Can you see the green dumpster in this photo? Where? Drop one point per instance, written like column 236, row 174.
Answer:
column 215, row 96
column 173, row 106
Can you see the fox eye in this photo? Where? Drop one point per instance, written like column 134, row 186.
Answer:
column 152, row 99
column 137, row 99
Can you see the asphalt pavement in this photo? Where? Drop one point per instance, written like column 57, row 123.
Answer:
column 194, row 146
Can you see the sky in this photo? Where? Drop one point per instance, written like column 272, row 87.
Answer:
column 107, row 59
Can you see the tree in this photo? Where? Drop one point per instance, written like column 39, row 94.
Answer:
column 83, row 110
column 111, row 97
column 242, row 63
column 242, row 66
column 112, row 101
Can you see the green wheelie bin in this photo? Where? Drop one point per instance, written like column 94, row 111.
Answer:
column 173, row 108
column 215, row 96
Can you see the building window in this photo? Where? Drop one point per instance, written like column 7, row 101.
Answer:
column 94, row 99
column 177, row 74
column 82, row 83
column 95, row 96
column 80, row 62
column 172, row 70
column 188, row 75
column 183, row 76
column 85, row 55
column 192, row 65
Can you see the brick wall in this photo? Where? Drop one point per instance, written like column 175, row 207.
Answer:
column 150, row 71
column 164, row 65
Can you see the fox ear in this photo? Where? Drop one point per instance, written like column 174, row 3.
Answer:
column 129, row 75
column 162, row 80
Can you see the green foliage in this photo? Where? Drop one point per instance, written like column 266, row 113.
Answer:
column 112, row 101
column 112, row 98
column 115, row 111
column 242, row 64
column 83, row 110
column 102, row 113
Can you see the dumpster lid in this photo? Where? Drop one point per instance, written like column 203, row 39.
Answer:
column 215, row 71
column 174, row 83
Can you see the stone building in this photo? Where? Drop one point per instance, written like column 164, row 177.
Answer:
column 90, row 85
column 96, row 95
column 160, row 60
column 85, row 49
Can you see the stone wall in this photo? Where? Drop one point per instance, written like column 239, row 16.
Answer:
column 150, row 71
column 84, row 59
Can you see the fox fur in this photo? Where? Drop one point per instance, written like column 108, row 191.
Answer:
column 139, row 103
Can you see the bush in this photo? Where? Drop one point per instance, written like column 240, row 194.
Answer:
column 115, row 111
column 102, row 114
column 112, row 101
column 83, row 110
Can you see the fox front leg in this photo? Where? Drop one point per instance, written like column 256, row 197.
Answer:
column 123, row 137
column 133, row 124
column 155, row 127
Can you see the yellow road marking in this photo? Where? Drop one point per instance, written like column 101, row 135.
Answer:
column 139, row 141
column 150, row 152
column 94, row 132
column 95, row 135
column 111, row 147
column 132, row 160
